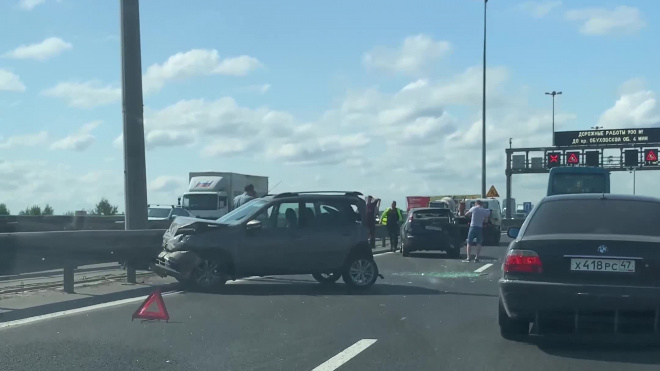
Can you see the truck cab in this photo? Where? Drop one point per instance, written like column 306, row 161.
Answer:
column 570, row 180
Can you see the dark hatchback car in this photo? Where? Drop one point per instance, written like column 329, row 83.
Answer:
column 321, row 234
column 430, row 229
column 583, row 264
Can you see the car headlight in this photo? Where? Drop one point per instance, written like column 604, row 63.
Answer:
column 179, row 241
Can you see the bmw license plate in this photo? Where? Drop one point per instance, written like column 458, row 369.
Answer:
column 433, row 228
column 603, row 265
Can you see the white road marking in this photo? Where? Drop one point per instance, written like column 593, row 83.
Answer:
column 483, row 268
column 345, row 355
column 63, row 313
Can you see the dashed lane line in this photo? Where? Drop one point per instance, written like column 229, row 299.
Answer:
column 345, row 355
column 483, row 268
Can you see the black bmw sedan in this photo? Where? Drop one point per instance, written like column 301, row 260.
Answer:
column 583, row 264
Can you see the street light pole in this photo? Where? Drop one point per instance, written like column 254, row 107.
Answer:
column 135, row 177
column 553, row 93
column 483, row 117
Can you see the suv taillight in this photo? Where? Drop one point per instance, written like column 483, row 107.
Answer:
column 523, row 261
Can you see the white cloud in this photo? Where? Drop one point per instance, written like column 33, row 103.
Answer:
column 10, row 82
column 87, row 94
column 412, row 57
column 636, row 106
column 196, row 62
column 79, row 141
column 539, row 9
column 167, row 183
column 25, row 140
column 30, row 4
column 601, row 21
column 46, row 49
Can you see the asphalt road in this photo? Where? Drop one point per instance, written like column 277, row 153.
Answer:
column 430, row 313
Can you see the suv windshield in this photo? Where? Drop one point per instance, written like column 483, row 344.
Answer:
column 243, row 211
column 158, row 212
column 626, row 217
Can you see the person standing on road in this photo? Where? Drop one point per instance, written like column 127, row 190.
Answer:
column 372, row 206
column 391, row 219
column 478, row 216
column 248, row 195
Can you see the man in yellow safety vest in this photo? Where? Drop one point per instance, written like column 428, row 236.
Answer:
column 392, row 219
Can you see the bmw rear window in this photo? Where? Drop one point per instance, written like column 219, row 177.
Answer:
column 596, row 216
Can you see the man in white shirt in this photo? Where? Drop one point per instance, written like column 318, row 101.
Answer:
column 478, row 215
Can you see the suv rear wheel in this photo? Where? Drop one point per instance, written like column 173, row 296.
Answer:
column 326, row 277
column 360, row 272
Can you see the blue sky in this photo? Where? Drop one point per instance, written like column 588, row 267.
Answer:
column 383, row 97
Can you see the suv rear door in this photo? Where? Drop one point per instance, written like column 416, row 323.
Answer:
column 337, row 228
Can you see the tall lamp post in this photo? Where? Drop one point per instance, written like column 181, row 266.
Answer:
column 483, row 117
column 135, row 178
column 554, row 94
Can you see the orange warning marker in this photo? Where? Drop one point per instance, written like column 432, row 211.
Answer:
column 143, row 311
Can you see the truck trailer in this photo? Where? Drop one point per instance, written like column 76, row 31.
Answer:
column 211, row 194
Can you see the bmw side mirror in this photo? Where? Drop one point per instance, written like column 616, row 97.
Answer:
column 253, row 224
column 512, row 232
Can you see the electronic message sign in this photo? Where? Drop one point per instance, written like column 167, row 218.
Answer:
column 607, row 136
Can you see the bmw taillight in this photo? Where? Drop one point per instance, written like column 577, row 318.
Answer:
column 523, row 261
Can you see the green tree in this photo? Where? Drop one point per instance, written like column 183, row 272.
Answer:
column 31, row 210
column 48, row 210
column 69, row 213
column 104, row 208
column 4, row 210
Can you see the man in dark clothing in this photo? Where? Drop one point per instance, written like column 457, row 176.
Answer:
column 372, row 206
column 392, row 218
column 246, row 197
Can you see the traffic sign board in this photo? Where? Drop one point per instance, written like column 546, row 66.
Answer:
column 492, row 192
column 651, row 156
column 573, row 158
column 553, row 159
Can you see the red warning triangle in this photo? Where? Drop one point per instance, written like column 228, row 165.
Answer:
column 651, row 156
column 572, row 159
column 143, row 311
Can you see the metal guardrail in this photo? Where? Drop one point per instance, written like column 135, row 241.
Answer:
column 44, row 223
column 71, row 249
column 49, row 250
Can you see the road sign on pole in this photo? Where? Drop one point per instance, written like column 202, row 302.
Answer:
column 492, row 192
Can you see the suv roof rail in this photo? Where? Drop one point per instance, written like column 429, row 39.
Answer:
column 293, row 194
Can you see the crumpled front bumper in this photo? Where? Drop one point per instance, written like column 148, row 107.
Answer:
column 177, row 264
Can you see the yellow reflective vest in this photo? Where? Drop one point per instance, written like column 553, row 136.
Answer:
column 383, row 218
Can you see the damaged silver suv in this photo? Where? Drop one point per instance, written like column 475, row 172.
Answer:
column 317, row 233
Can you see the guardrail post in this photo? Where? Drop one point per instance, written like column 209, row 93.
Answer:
column 130, row 273
column 68, row 279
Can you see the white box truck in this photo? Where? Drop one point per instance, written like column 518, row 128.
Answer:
column 210, row 194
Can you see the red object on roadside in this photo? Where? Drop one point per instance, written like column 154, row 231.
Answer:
column 417, row 202
column 143, row 311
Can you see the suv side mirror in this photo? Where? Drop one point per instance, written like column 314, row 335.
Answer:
column 512, row 232
column 253, row 224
